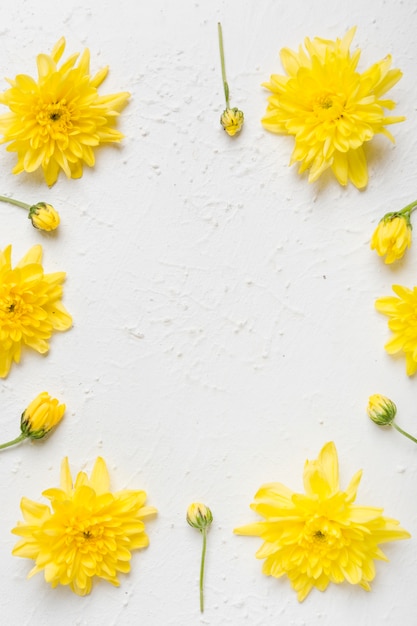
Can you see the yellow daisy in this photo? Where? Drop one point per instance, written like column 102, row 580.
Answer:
column 330, row 108
column 320, row 537
column 30, row 306
column 402, row 312
column 86, row 531
column 56, row 122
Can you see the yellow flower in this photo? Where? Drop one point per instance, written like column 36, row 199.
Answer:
column 41, row 416
column 232, row 121
column 330, row 108
column 55, row 122
column 199, row 515
column 30, row 306
column 44, row 217
column 86, row 531
column 320, row 537
column 392, row 237
column 402, row 312
column 381, row 410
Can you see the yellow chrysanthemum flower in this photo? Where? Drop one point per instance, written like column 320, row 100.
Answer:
column 402, row 312
column 30, row 306
column 330, row 108
column 320, row 537
column 55, row 122
column 87, row 531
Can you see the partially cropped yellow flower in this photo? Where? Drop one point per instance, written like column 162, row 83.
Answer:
column 381, row 410
column 87, row 531
column 330, row 108
column 44, row 217
column 30, row 306
column 56, row 121
column 320, row 537
column 232, row 121
column 402, row 313
column 41, row 416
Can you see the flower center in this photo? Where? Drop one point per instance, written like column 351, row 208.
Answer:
column 11, row 307
column 319, row 536
column 85, row 535
column 54, row 118
column 328, row 107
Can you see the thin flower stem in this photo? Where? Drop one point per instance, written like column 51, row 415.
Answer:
column 410, row 207
column 23, row 205
column 403, row 432
column 18, row 439
column 203, row 559
column 225, row 85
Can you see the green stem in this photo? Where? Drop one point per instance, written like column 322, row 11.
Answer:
column 400, row 430
column 18, row 439
column 23, row 205
column 410, row 207
column 203, row 558
column 225, row 85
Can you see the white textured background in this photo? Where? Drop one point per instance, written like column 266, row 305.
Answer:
column 224, row 323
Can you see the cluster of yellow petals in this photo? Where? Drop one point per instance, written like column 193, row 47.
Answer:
column 86, row 532
column 41, row 416
column 232, row 121
column 392, row 237
column 402, row 313
column 320, row 537
column 330, row 108
column 56, row 122
column 30, row 306
column 44, row 217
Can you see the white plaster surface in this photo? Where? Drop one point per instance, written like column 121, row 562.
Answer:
column 224, row 322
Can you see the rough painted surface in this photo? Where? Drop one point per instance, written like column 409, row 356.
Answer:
column 224, row 327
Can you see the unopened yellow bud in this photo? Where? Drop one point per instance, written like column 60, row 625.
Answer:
column 392, row 237
column 199, row 516
column 232, row 121
column 381, row 410
column 41, row 416
column 44, row 217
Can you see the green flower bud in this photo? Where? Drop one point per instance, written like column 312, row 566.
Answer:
column 381, row 410
column 199, row 516
column 232, row 121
